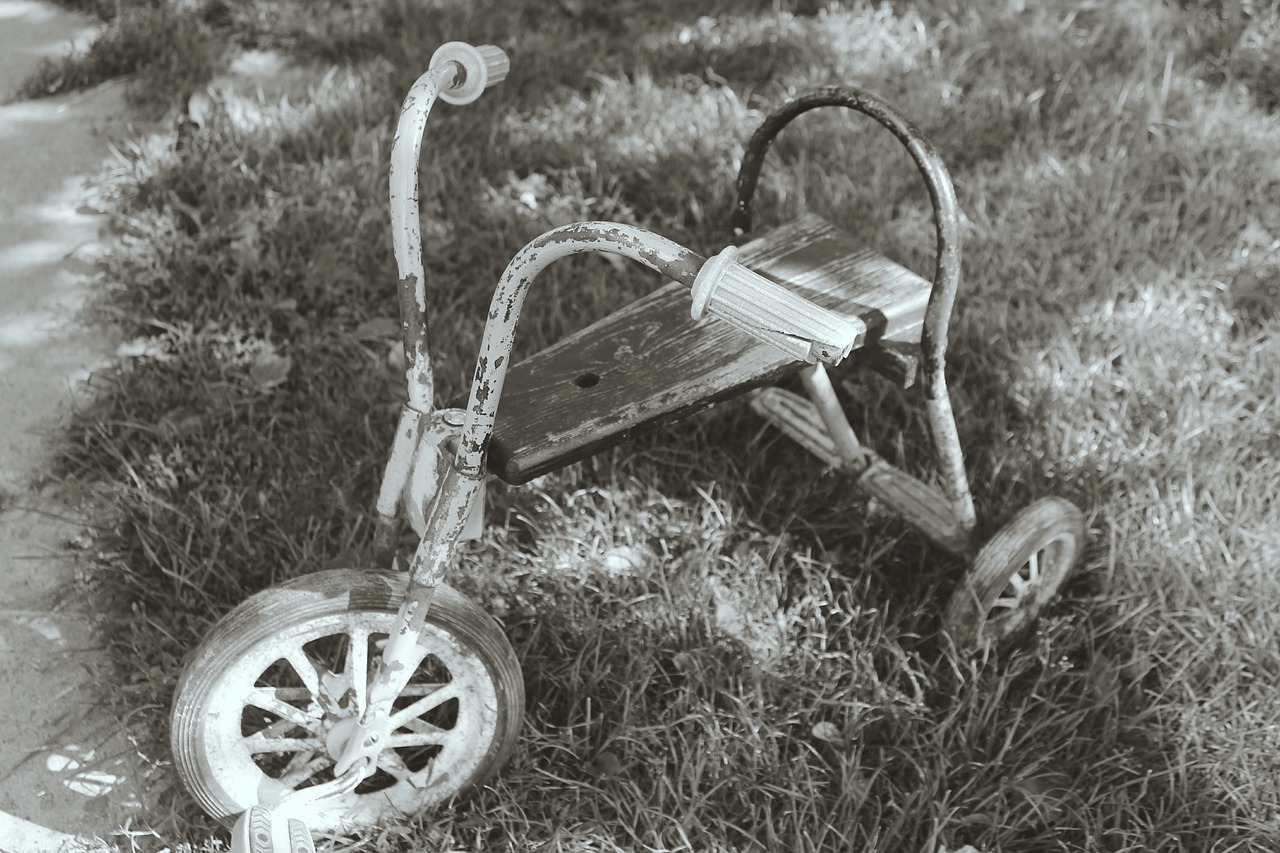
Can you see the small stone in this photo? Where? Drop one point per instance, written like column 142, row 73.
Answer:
column 828, row 732
column 622, row 560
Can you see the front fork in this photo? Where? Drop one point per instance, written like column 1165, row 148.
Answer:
column 445, row 507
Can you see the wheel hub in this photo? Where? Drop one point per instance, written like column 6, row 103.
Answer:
column 351, row 741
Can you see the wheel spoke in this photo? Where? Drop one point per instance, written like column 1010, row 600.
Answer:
column 1034, row 564
column 306, row 669
column 280, row 728
column 286, row 694
column 259, row 743
column 298, row 762
column 402, row 740
column 1003, row 601
column 390, row 761
column 432, row 700
column 268, row 699
column 417, row 724
column 294, row 778
column 422, row 689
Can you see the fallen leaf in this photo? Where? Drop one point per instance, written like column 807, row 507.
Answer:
column 827, row 731
column 134, row 348
column 79, row 266
column 684, row 662
column 622, row 560
column 93, row 783
column 606, row 764
column 395, row 358
column 269, row 370
column 200, row 108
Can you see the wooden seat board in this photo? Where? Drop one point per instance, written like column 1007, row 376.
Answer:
column 649, row 363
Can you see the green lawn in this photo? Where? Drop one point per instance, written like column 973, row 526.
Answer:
column 1116, row 342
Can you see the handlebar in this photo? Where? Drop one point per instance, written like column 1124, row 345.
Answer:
column 768, row 311
column 457, row 74
column 478, row 68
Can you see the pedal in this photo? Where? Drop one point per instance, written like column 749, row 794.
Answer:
column 799, row 420
column 920, row 504
column 262, row 830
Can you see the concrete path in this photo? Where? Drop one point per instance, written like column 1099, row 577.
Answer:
column 68, row 777
column 65, row 769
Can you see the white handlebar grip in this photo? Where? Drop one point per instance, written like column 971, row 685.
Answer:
column 772, row 313
column 480, row 66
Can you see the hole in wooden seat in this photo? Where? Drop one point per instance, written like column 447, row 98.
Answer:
column 650, row 363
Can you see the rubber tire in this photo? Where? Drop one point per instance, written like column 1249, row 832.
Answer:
column 256, row 832
column 319, row 595
column 966, row 616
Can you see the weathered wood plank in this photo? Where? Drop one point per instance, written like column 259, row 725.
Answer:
column 650, row 363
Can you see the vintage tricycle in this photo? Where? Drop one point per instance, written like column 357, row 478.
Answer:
column 353, row 696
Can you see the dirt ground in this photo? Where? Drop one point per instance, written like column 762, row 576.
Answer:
column 67, row 770
column 63, row 764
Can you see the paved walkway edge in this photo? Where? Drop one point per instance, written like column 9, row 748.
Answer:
column 23, row 836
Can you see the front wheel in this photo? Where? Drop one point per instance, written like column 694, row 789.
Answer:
column 1015, row 575
column 255, row 711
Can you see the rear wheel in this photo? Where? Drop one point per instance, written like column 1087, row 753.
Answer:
column 256, row 710
column 1016, row 574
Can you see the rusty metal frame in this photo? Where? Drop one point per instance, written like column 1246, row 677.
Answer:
column 464, row 474
column 406, row 240
column 418, row 432
column 666, row 257
column 406, row 229
column 946, row 279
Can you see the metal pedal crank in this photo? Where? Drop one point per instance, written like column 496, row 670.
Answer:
column 282, row 828
column 799, row 420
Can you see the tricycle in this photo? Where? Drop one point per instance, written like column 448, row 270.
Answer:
column 355, row 696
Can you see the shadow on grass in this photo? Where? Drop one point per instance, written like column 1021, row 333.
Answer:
column 697, row 604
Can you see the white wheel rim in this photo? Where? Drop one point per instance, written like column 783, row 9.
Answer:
column 1031, row 586
column 269, row 713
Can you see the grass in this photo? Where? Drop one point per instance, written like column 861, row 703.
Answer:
column 762, row 669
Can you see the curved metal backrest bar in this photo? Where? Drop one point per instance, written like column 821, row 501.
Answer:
column 946, row 277
column 658, row 253
column 406, row 229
